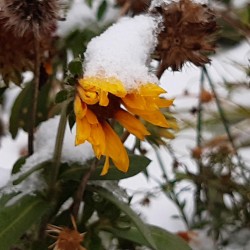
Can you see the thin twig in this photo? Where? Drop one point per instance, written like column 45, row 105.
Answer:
column 223, row 118
column 81, row 189
column 35, row 96
column 125, row 136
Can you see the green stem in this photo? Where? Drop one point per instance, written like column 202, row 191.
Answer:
column 59, row 144
column 223, row 117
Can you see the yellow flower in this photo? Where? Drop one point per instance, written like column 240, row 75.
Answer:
column 99, row 99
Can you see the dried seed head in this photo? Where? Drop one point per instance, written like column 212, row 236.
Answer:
column 30, row 16
column 17, row 53
column 133, row 6
column 187, row 34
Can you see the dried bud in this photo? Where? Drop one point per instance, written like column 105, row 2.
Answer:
column 187, row 34
column 133, row 6
column 30, row 16
column 67, row 239
column 197, row 152
column 206, row 96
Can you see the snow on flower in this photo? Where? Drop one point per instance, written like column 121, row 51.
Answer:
column 123, row 51
column 117, row 84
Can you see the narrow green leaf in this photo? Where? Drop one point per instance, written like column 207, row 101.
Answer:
column 61, row 96
column 18, row 218
column 143, row 229
column 163, row 239
column 101, row 10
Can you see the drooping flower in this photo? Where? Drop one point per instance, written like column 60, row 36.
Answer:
column 99, row 99
column 67, row 238
column 118, row 84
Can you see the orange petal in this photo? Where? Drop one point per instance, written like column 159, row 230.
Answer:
column 90, row 97
column 115, row 149
column 97, row 139
column 82, row 130
column 106, row 166
column 91, row 117
column 163, row 103
column 134, row 100
column 155, row 117
column 80, row 108
column 151, row 89
column 133, row 125
column 104, row 101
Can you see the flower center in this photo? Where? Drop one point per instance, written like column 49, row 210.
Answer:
column 106, row 112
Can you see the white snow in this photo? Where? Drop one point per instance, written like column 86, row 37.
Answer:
column 43, row 150
column 123, row 51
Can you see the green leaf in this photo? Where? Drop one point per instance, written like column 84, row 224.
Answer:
column 163, row 239
column 143, row 229
column 61, row 96
column 101, row 10
column 89, row 3
column 75, row 67
column 20, row 113
column 18, row 218
column 18, row 164
column 137, row 164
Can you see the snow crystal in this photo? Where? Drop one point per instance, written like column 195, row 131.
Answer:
column 123, row 51
column 44, row 148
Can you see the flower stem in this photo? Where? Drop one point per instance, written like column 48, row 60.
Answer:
column 34, row 97
column 81, row 189
column 59, row 143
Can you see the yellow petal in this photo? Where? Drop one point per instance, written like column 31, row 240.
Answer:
column 104, row 101
column 154, row 117
column 80, row 107
column 109, row 84
column 134, row 100
column 151, row 89
column 82, row 130
column 133, row 125
column 97, row 139
column 91, row 117
column 90, row 97
column 115, row 149
column 163, row 103
column 106, row 166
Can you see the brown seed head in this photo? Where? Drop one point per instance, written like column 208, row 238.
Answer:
column 187, row 34
column 17, row 52
column 30, row 16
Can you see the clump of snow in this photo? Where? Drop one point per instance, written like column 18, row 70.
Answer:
column 123, row 51
column 44, row 145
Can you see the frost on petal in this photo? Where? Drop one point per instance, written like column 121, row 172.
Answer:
column 123, row 51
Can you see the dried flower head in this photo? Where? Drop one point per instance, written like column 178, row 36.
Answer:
column 67, row 239
column 17, row 53
column 133, row 6
column 32, row 16
column 187, row 34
